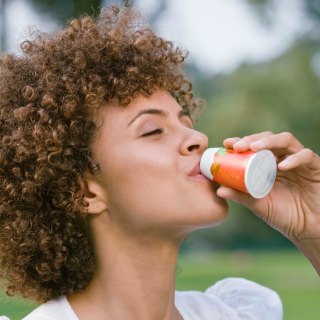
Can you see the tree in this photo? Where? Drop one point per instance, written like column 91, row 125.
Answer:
column 310, row 7
column 2, row 25
column 63, row 10
column 66, row 9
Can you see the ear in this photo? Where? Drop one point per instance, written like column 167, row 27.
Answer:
column 94, row 194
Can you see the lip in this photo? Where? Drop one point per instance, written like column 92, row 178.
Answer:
column 196, row 174
column 195, row 170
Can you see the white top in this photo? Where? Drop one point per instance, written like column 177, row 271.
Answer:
column 228, row 299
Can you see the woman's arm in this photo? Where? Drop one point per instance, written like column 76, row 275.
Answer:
column 311, row 249
column 293, row 205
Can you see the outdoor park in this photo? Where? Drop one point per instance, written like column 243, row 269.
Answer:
column 276, row 93
column 285, row 271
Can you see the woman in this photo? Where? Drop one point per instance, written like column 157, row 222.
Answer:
column 100, row 179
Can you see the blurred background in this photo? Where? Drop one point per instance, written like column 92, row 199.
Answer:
column 257, row 64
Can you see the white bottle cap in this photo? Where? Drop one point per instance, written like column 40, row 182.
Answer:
column 260, row 174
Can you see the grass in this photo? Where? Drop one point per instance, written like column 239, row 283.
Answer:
column 287, row 272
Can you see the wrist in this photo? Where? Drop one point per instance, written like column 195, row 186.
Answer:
column 311, row 249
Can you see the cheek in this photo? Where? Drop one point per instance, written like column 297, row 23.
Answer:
column 137, row 177
column 140, row 200
column 137, row 169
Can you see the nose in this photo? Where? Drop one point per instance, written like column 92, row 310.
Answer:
column 195, row 142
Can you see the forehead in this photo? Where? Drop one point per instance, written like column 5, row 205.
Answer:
column 161, row 100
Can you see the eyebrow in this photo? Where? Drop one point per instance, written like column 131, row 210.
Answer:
column 158, row 112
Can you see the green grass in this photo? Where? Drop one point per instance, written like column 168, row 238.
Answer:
column 288, row 273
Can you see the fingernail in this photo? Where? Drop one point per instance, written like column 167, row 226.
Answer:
column 239, row 144
column 257, row 144
column 284, row 163
column 221, row 192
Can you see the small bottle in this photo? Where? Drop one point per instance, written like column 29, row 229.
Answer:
column 248, row 171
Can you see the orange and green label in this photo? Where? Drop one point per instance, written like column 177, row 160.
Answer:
column 229, row 167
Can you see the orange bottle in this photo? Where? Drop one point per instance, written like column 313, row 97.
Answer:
column 250, row 172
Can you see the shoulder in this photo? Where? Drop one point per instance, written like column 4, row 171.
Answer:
column 53, row 310
column 232, row 298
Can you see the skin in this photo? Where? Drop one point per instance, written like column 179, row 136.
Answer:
column 148, row 197
column 293, row 205
column 145, row 202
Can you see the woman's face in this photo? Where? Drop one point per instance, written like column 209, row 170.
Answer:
column 149, row 157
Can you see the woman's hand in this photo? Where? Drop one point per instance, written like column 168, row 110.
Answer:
column 293, row 205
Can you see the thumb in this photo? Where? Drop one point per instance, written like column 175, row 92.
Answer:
column 237, row 196
column 259, row 207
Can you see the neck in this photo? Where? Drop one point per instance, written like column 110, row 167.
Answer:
column 134, row 277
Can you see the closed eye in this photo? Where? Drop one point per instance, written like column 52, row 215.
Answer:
column 156, row 131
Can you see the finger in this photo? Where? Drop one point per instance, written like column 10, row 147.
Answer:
column 228, row 143
column 245, row 142
column 234, row 195
column 282, row 143
column 304, row 156
column 254, row 205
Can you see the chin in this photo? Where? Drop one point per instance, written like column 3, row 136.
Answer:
column 210, row 217
column 216, row 209
column 217, row 217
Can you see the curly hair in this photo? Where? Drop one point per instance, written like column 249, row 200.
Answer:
column 47, row 94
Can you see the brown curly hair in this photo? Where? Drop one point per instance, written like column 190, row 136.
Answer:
column 47, row 95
